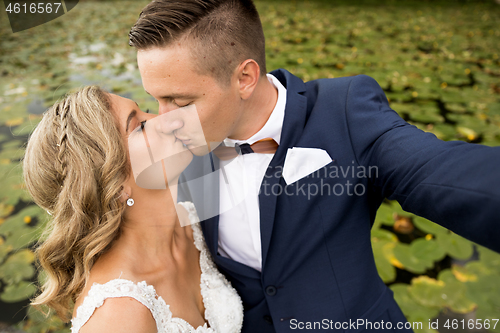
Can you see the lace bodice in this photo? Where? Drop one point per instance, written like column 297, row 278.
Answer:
column 223, row 307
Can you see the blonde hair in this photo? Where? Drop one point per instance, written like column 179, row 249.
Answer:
column 74, row 167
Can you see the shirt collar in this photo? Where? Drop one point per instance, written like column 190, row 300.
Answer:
column 272, row 128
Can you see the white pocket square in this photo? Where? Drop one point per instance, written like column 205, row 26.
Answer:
column 300, row 162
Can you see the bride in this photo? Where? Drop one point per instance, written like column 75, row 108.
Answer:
column 115, row 254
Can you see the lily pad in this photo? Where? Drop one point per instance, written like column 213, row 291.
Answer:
column 18, row 267
column 17, row 233
column 428, row 226
column 455, row 245
column 427, row 250
column 454, row 294
column 43, row 320
column 420, row 255
column 415, row 311
column 5, row 210
column 18, row 292
column 409, row 261
column 427, row 291
column 385, row 268
column 4, row 250
column 384, row 215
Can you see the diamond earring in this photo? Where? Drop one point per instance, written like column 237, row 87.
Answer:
column 130, row 201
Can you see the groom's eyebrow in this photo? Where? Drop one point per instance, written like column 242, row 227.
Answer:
column 129, row 118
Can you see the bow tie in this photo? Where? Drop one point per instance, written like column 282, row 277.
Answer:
column 264, row 146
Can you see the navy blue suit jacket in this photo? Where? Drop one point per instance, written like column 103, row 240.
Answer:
column 317, row 260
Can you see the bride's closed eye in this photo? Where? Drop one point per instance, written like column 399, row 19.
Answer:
column 143, row 123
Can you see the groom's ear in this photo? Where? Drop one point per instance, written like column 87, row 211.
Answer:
column 248, row 77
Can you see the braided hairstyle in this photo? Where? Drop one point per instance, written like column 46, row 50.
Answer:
column 74, row 167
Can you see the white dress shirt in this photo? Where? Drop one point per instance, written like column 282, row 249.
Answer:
column 240, row 180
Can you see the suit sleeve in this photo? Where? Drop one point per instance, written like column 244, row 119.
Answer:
column 453, row 183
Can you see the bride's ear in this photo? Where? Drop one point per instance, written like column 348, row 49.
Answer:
column 126, row 193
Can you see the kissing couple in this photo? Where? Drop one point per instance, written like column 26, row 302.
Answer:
column 126, row 189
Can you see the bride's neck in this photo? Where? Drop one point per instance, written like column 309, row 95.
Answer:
column 151, row 230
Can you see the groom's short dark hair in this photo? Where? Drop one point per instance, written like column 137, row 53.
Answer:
column 220, row 33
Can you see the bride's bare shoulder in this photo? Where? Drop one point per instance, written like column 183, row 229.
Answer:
column 104, row 270
column 122, row 314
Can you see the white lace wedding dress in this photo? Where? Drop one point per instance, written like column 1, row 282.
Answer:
column 223, row 307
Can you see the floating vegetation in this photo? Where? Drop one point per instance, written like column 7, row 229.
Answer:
column 438, row 62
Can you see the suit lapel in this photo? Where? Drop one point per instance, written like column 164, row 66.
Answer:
column 209, row 201
column 293, row 124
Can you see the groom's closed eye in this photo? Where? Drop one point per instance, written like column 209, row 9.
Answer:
column 171, row 98
column 181, row 105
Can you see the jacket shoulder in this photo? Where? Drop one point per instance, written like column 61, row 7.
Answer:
column 343, row 82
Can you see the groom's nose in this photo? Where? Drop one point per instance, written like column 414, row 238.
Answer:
column 166, row 108
column 170, row 121
column 170, row 126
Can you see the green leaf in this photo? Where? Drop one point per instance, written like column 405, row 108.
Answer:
column 455, row 245
column 404, row 255
column 454, row 293
column 413, row 310
column 384, row 215
column 17, row 233
column 12, row 184
column 45, row 321
column 18, row 267
column 381, row 234
column 4, row 250
column 5, row 210
column 427, row 250
column 463, row 274
column 427, row 291
column 428, row 226
column 427, row 116
column 419, row 255
column 489, row 257
column 18, row 292
column 384, row 267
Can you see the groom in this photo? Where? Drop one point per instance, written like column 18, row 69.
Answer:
column 298, row 248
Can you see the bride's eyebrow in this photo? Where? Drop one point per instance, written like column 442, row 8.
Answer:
column 130, row 116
